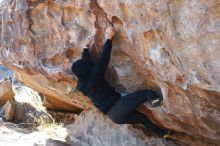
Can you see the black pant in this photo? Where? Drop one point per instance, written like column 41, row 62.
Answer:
column 124, row 110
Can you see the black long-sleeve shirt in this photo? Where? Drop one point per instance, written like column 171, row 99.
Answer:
column 94, row 85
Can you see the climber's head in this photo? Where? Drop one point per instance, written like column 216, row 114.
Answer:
column 81, row 68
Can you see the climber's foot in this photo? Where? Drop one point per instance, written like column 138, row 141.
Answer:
column 168, row 135
column 156, row 102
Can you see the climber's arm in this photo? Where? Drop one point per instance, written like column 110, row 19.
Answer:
column 85, row 54
column 103, row 61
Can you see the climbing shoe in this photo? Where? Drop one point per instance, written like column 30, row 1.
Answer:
column 167, row 136
column 156, row 102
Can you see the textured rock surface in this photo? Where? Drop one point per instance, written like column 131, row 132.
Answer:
column 6, row 93
column 52, row 103
column 8, row 111
column 169, row 45
column 93, row 129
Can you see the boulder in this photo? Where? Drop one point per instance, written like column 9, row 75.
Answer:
column 172, row 46
column 93, row 128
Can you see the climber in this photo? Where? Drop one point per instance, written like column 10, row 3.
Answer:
column 121, row 110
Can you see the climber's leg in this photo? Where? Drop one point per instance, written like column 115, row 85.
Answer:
column 130, row 102
column 139, row 118
column 135, row 117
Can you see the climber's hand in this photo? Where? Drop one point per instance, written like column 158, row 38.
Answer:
column 88, row 41
column 110, row 32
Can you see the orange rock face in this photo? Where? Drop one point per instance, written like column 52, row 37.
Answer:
column 6, row 93
column 9, row 110
column 168, row 45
